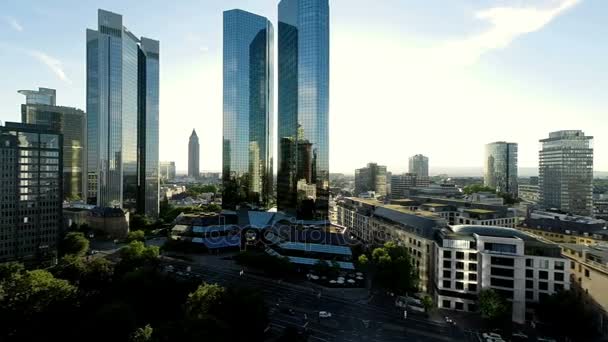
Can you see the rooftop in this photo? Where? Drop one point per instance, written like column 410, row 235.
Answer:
column 479, row 211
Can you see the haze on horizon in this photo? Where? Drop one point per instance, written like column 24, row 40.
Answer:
column 435, row 77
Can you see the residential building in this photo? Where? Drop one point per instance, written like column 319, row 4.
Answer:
column 40, row 109
column 248, row 73
column 589, row 277
column 566, row 172
column 375, row 223
column 529, row 193
column 500, row 167
column 402, row 184
column 122, row 117
column 194, row 155
column 303, row 119
column 419, row 165
column 31, row 163
column 371, row 178
column 520, row 267
column 167, row 170
column 564, row 228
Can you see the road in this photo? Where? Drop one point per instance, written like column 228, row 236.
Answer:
column 350, row 321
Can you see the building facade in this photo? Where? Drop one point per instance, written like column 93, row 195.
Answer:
column 401, row 184
column 529, row 193
column 30, row 191
column 500, row 167
column 303, row 118
column 40, row 109
column 520, row 267
column 371, row 178
column 194, row 155
column 566, row 172
column 167, row 170
column 247, row 161
column 122, row 117
column 419, row 165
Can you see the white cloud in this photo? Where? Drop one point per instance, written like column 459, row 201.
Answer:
column 13, row 23
column 507, row 24
column 52, row 63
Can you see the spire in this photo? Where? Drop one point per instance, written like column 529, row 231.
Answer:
column 193, row 133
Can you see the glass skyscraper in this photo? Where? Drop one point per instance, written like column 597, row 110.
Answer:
column 247, row 171
column 303, row 119
column 122, row 117
column 566, row 172
column 193, row 156
column 500, row 167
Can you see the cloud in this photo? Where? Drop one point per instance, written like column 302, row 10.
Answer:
column 13, row 23
column 507, row 24
column 52, row 63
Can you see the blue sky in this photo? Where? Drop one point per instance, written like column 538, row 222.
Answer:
column 436, row 77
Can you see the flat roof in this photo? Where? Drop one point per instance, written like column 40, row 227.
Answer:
column 435, row 204
column 315, row 247
column 479, row 211
column 213, row 228
column 311, row 261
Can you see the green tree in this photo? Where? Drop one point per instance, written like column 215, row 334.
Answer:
column 136, row 254
column 393, row 268
column 363, row 260
column 139, row 222
column 136, row 235
column 492, row 306
column 204, row 302
column 213, row 208
column 427, row 303
column 74, row 243
column 8, row 269
column 143, row 334
column 471, row 189
column 577, row 324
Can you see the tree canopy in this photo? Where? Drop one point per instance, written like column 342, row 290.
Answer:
column 471, row 189
column 136, row 235
column 394, row 270
column 578, row 324
column 493, row 306
column 74, row 243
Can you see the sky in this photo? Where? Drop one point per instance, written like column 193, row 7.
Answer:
column 436, row 77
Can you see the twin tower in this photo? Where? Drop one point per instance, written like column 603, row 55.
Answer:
column 302, row 187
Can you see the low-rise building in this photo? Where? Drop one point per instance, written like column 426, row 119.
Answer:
column 114, row 222
column 520, row 267
column 459, row 211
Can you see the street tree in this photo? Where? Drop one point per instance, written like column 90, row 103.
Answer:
column 492, row 306
column 74, row 243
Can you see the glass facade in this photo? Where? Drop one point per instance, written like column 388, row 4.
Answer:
column 419, row 165
column 566, row 172
column 193, row 156
column 70, row 122
column 303, row 119
column 247, row 171
column 120, row 138
column 30, row 191
column 371, row 178
column 500, row 167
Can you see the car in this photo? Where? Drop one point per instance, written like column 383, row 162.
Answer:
column 519, row 335
column 324, row 314
column 491, row 335
column 546, row 339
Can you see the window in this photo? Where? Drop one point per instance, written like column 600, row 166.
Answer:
column 558, row 287
column 473, row 287
column 447, row 254
column 473, row 256
column 559, row 265
column 529, row 284
column 502, row 261
column 459, row 275
column 543, row 275
column 529, row 273
column 460, row 255
column 472, row 277
column 558, row 276
column 459, row 306
column 472, row 307
column 529, row 262
column 472, row 267
column 447, row 284
column 501, row 272
column 460, row 265
column 543, row 285
column 501, row 282
column 447, row 264
column 572, row 265
column 447, row 274
column 500, row 248
column 587, row 273
column 530, row 295
column 544, row 264
column 459, row 285
column 446, row 304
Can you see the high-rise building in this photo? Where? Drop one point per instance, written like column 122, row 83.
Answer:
column 122, row 117
column 566, row 172
column 30, row 191
column 500, row 167
column 371, row 178
column 247, row 172
column 303, row 118
column 167, row 170
column 193, row 156
column 419, row 165
column 40, row 109
column 401, row 184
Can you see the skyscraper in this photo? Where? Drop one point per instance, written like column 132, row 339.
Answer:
column 122, row 117
column 419, row 165
column 30, row 191
column 193, row 156
column 500, row 167
column 40, row 109
column 248, row 110
column 371, row 178
column 566, row 172
column 167, row 170
column 303, row 118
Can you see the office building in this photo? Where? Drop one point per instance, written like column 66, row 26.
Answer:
column 303, row 119
column 371, row 178
column 402, row 184
column 419, row 165
column 167, row 170
column 520, row 267
column 31, row 158
column 566, row 172
column 500, row 167
column 194, row 155
column 528, row 193
column 122, row 117
column 40, row 109
column 247, row 172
